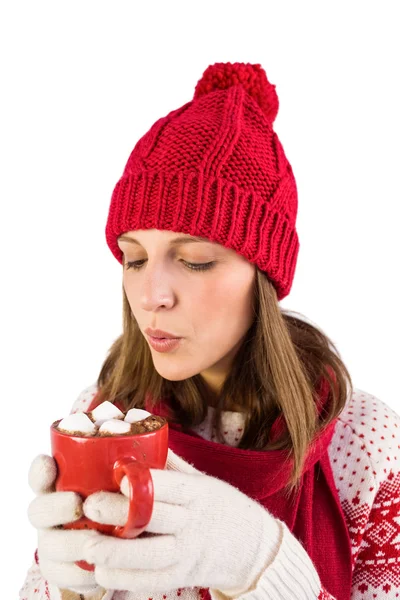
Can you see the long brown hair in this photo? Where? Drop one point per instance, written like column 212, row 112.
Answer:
column 275, row 371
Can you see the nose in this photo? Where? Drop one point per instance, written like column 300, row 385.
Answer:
column 156, row 289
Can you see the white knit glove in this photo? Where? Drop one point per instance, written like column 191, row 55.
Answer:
column 58, row 548
column 210, row 535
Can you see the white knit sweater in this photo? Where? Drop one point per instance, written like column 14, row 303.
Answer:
column 365, row 458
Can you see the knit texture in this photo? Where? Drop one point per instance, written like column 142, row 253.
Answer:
column 313, row 515
column 215, row 168
column 365, row 457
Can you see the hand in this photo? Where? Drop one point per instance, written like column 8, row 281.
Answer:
column 58, row 548
column 210, row 535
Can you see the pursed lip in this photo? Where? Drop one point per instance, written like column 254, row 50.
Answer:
column 159, row 333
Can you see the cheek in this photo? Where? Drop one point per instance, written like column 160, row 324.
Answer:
column 131, row 295
column 224, row 308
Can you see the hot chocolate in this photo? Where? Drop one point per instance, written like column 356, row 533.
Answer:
column 107, row 420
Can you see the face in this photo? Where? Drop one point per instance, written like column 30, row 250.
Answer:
column 199, row 291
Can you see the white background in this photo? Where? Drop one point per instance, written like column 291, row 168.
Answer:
column 81, row 83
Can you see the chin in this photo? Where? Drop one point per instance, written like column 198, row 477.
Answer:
column 175, row 372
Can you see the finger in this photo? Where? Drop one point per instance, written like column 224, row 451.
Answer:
column 139, row 582
column 106, row 507
column 167, row 518
column 176, row 463
column 113, row 509
column 57, row 508
column 177, row 488
column 158, row 551
column 64, row 545
column 67, row 575
column 42, row 474
column 125, row 487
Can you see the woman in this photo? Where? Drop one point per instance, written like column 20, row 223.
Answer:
column 282, row 480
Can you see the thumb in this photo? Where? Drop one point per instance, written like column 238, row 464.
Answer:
column 42, row 474
column 176, row 463
column 108, row 508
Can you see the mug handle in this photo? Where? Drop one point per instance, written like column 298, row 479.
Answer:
column 141, row 500
column 141, row 493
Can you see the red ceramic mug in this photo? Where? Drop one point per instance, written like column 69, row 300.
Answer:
column 91, row 464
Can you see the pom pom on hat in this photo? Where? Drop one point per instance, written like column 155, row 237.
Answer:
column 253, row 78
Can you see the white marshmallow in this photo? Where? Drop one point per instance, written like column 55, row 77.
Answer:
column 106, row 411
column 78, row 422
column 136, row 414
column 115, row 426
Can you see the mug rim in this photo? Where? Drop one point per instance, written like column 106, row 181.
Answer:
column 53, row 427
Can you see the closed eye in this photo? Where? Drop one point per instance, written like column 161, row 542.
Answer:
column 192, row 266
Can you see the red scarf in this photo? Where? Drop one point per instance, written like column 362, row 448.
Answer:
column 314, row 515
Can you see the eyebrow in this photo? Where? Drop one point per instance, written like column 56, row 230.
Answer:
column 174, row 242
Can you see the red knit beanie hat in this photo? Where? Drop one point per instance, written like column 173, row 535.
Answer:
column 215, row 168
